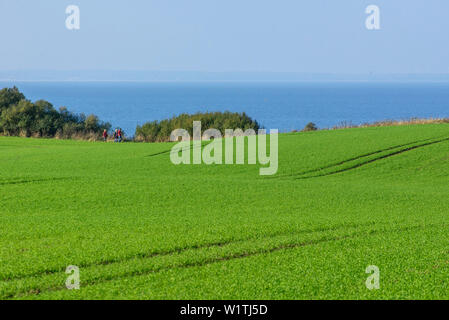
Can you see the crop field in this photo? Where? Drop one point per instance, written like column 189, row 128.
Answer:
column 140, row 227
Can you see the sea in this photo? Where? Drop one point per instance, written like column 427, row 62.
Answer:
column 285, row 106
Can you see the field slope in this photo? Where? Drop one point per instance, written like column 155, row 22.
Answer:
column 139, row 227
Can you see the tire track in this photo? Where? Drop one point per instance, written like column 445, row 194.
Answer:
column 191, row 147
column 336, row 164
column 374, row 160
column 158, row 153
column 180, row 250
column 213, row 260
column 24, row 181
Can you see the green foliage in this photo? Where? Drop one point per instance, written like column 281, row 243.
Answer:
column 158, row 131
column 310, row 127
column 22, row 117
column 9, row 97
column 140, row 227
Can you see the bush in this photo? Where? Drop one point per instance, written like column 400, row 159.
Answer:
column 159, row 131
column 310, row 127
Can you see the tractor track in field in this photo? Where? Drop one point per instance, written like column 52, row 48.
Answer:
column 180, row 250
column 25, row 181
column 301, row 175
column 161, row 152
column 191, row 147
column 212, row 260
column 374, row 160
column 336, row 164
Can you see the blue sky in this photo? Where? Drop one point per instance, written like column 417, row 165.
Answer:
column 306, row 36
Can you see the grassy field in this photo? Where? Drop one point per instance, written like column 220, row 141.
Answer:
column 139, row 227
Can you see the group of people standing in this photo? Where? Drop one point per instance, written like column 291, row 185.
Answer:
column 118, row 134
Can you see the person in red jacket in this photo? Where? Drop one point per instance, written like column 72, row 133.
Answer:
column 105, row 135
column 119, row 134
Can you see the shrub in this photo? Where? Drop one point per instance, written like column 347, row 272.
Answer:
column 310, row 127
column 159, row 131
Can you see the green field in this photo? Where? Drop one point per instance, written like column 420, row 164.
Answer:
column 139, row 227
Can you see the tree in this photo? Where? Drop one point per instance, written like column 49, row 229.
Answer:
column 310, row 127
column 18, row 119
column 9, row 97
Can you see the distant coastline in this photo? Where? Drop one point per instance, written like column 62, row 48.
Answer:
column 199, row 76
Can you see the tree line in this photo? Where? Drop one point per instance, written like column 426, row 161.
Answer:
column 21, row 117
